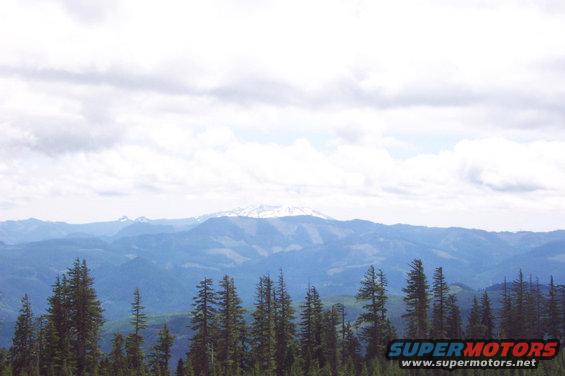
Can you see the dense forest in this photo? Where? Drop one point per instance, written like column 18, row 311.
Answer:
column 278, row 339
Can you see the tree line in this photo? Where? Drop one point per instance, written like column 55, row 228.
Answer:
column 276, row 339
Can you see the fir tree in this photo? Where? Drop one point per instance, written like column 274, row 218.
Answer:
column 416, row 300
column 352, row 350
column 161, row 353
column 58, row 346
column 474, row 327
column 439, row 313
column 453, row 318
column 117, row 360
column 181, row 370
column 134, row 341
column 376, row 328
column 203, row 344
column 284, row 328
column 263, row 328
column 330, row 341
column 231, row 328
column 519, row 297
column 22, row 352
column 505, row 316
column 85, row 318
column 487, row 320
column 553, row 319
column 311, row 331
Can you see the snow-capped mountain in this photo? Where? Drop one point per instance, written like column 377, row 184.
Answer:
column 267, row 211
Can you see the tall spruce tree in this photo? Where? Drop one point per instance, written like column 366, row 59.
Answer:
column 487, row 319
column 330, row 345
column 416, row 300
column 263, row 328
column 376, row 329
column 231, row 329
column 351, row 351
column 134, row 341
column 58, row 340
column 284, row 328
column 204, row 345
column 439, row 312
column 519, row 297
column 23, row 350
column 474, row 327
column 505, row 315
column 118, row 364
column 162, row 352
column 85, row 317
column 311, row 332
column 453, row 318
column 553, row 319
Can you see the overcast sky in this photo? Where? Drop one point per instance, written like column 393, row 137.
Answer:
column 423, row 112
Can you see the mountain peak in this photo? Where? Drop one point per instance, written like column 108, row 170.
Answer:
column 124, row 218
column 268, row 211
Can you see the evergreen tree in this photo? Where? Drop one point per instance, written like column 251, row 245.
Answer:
column 553, row 319
column 203, row 344
column 474, row 327
column 453, row 318
column 58, row 346
column 534, row 311
column 161, row 353
column 181, row 370
column 376, row 329
column 284, row 328
column 231, row 329
column 519, row 297
column 505, row 316
column 352, row 350
column 117, row 360
column 330, row 341
column 263, row 328
column 487, row 320
column 22, row 352
column 439, row 313
column 134, row 341
column 416, row 300
column 85, row 317
column 311, row 331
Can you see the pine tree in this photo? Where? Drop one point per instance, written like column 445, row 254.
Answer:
column 134, row 341
column 284, row 328
column 416, row 300
column 58, row 346
column 505, row 315
column 553, row 319
column 487, row 320
column 117, row 360
column 231, row 329
column 534, row 311
column 376, row 329
column 263, row 328
column 519, row 292
column 181, row 370
column 453, row 318
column 22, row 352
column 311, row 331
column 439, row 313
column 85, row 317
column 330, row 341
column 352, row 351
column 474, row 327
column 203, row 344
column 161, row 353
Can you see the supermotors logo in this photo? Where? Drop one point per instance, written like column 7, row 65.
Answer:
column 453, row 354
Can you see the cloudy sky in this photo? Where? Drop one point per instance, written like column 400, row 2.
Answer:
column 423, row 112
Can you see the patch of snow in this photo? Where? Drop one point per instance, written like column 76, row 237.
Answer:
column 266, row 211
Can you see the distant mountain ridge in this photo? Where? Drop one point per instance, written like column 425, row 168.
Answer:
column 168, row 261
column 28, row 230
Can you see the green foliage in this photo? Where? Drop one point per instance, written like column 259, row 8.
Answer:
column 23, row 350
column 439, row 311
column 417, row 302
column 263, row 341
column 203, row 345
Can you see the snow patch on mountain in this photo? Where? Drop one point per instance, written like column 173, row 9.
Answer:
column 266, row 211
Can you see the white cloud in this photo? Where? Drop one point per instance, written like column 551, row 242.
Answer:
column 424, row 112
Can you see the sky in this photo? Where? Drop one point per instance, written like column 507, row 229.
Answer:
column 437, row 113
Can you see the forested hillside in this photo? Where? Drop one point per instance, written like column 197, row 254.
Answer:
column 274, row 337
